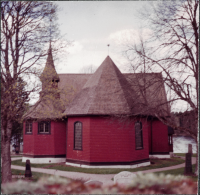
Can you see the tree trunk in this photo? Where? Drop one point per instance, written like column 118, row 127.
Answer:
column 196, row 169
column 19, row 142
column 5, row 155
column 197, row 143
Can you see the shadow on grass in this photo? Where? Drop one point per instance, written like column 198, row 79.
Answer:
column 183, row 154
column 35, row 175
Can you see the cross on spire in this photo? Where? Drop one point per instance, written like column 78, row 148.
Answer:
column 108, row 48
column 50, row 21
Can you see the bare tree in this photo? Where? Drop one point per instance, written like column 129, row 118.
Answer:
column 172, row 49
column 17, row 126
column 88, row 69
column 24, row 33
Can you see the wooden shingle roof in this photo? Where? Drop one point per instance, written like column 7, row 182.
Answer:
column 46, row 108
column 49, row 72
column 106, row 92
column 151, row 91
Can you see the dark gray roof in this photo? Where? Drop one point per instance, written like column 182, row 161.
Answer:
column 107, row 92
column 46, row 108
column 49, row 72
column 71, row 84
column 153, row 94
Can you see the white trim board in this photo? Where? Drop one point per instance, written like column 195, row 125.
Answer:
column 109, row 166
column 43, row 160
column 159, row 156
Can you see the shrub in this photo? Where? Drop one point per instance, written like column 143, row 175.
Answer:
column 142, row 184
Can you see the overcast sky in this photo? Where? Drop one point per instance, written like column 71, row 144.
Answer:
column 92, row 25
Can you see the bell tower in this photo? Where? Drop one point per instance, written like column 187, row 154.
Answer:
column 49, row 76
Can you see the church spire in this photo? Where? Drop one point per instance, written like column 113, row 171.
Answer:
column 49, row 73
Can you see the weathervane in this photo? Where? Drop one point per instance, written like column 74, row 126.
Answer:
column 50, row 30
column 108, row 48
column 50, row 24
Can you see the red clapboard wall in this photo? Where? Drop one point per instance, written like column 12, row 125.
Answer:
column 106, row 140
column 159, row 137
column 46, row 144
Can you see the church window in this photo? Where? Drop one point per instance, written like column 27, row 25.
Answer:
column 28, row 127
column 44, row 127
column 77, row 136
column 138, row 135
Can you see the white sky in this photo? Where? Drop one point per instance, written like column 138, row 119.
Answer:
column 92, row 25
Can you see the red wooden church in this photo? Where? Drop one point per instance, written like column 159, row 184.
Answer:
column 101, row 123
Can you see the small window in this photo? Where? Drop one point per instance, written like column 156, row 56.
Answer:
column 78, row 136
column 44, row 127
column 138, row 135
column 29, row 127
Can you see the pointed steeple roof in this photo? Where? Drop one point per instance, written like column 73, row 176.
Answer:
column 107, row 92
column 49, row 105
column 49, row 73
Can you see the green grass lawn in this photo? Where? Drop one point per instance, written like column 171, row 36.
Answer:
column 15, row 156
column 20, row 163
column 156, row 163
column 183, row 154
column 179, row 171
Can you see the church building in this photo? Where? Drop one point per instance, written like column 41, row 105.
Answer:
column 97, row 120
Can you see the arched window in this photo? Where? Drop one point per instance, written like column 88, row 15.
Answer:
column 28, row 127
column 44, row 127
column 138, row 135
column 78, row 136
